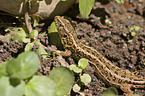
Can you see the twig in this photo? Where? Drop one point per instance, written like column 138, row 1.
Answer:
column 28, row 24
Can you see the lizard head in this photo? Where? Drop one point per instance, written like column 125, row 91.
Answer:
column 66, row 31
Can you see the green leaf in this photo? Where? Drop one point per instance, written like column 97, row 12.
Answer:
column 135, row 28
column 41, row 51
column 20, row 35
column 29, row 46
column 24, row 66
column 76, row 88
column 52, row 28
column 63, row 78
column 34, row 34
column 3, row 69
column 83, row 63
column 133, row 33
column 20, row 32
column 107, row 21
column 40, row 86
column 75, row 68
column 25, row 40
column 7, row 38
column 86, row 78
column 37, row 43
column 85, row 7
column 120, row 1
column 21, row 39
column 8, row 90
column 110, row 92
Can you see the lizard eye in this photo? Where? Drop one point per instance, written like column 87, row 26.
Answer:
column 65, row 35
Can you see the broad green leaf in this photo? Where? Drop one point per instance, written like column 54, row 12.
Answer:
column 75, row 68
column 40, row 86
column 85, row 7
column 110, row 92
column 20, row 32
column 13, row 67
column 24, row 66
column 29, row 46
column 83, row 63
column 8, row 90
column 20, row 35
column 3, row 68
column 63, row 78
column 76, row 88
column 34, row 34
column 86, row 78
column 21, row 39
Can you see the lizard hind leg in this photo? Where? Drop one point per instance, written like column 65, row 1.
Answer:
column 127, row 89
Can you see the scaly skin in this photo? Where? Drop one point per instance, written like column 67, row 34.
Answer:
column 107, row 71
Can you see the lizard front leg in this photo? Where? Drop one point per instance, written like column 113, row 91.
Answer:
column 65, row 53
column 127, row 89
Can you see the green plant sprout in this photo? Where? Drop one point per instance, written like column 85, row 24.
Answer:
column 23, row 36
column 133, row 33
column 76, row 88
column 17, row 78
column 85, row 78
column 134, row 29
column 107, row 21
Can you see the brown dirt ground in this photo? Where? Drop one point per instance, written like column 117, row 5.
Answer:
column 112, row 40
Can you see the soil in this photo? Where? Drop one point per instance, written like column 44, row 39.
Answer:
column 115, row 41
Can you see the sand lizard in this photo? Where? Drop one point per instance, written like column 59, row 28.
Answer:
column 107, row 71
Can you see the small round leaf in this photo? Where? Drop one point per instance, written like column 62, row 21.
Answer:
column 83, row 63
column 75, row 68
column 76, row 88
column 133, row 33
column 86, row 78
